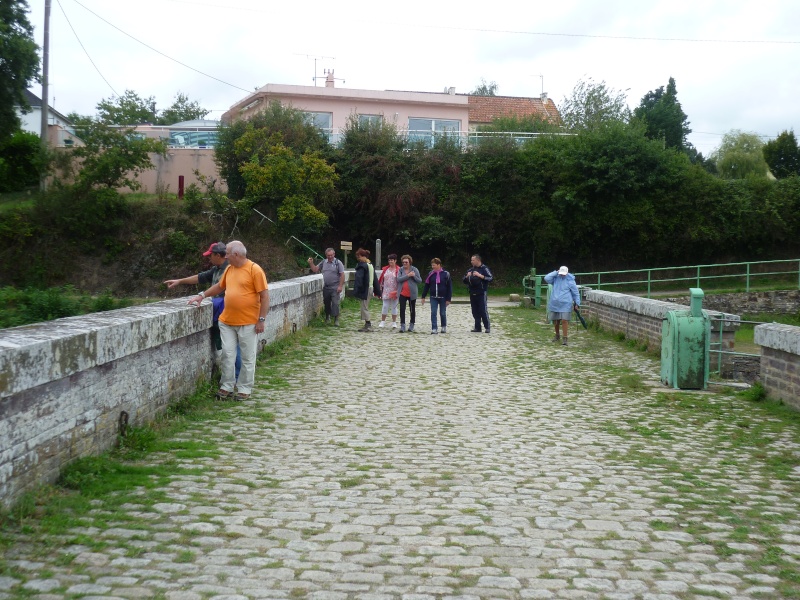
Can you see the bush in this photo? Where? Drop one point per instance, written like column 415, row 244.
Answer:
column 21, row 162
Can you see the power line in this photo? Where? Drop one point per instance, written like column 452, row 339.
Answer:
column 521, row 32
column 85, row 50
column 161, row 53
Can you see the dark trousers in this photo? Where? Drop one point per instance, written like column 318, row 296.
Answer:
column 412, row 305
column 479, row 310
column 330, row 299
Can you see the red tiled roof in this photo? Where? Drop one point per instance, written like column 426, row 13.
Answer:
column 484, row 109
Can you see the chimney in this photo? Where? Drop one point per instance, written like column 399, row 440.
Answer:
column 329, row 79
column 543, row 97
column 451, row 91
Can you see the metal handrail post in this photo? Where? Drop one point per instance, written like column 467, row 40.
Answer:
column 698, row 276
column 537, row 302
column 747, row 279
column 649, row 273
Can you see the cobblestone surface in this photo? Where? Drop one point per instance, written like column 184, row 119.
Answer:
column 459, row 466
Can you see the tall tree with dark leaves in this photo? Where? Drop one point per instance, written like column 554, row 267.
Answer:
column 663, row 117
column 783, row 155
column 19, row 62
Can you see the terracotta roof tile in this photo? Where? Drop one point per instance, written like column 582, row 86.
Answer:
column 484, row 109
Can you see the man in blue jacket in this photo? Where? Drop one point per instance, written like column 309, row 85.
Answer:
column 563, row 300
column 478, row 278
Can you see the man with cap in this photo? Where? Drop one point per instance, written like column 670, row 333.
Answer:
column 563, row 300
column 216, row 253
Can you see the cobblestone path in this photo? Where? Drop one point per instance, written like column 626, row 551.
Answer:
column 453, row 466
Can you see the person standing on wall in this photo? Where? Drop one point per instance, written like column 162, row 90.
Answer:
column 242, row 320
column 477, row 279
column 563, row 300
column 332, row 271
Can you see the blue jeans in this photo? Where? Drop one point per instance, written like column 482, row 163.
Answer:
column 438, row 305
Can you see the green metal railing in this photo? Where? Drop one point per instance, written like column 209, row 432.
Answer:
column 741, row 272
column 532, row 288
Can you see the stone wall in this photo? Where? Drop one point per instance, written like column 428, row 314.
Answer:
column 780, row 361
column 65, row 383
column 776, row 302
column 641, row 319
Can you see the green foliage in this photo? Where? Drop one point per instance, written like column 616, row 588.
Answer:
column 526, row 124
column 180, row 244
column 110, row 157
column 128, row 109
column 19, row 63
column 182, row 110
column 663, row 117
column 281, row 181
column 289, row 123
column 25, row 306
column 740, row 155
column 21, row 161
column 782, row 155
column 485, row 89
column 193, row 197
column 592, row 105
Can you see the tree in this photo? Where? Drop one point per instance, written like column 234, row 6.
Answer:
column 21, row 161
column 485, row 89
column 19, row 62
column 182, row 110
column 291, row 123
column 110, row 157
column 593, row 105
column 128, row 109
column 663, row 117
column 740, row 155
column 783, row 155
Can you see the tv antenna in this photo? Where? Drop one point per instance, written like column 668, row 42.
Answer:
column 315, row 58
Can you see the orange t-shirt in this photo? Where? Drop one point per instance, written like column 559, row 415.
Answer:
column 243, row 286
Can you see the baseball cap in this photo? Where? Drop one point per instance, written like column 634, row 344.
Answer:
column 216, row 248
column 563, row 271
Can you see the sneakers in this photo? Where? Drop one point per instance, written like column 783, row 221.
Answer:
column 327, row 319
column 411, row 327
column 336, row 322
column 564, row 343
column 434, row 332
column 475, row 331
column 402, row 328
column 394, row 324
column 382, row 325
column 556, row 338
column 444, row 329
column 485, row 331
column 366, row 328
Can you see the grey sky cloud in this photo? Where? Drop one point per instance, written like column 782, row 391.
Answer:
column 426, row 46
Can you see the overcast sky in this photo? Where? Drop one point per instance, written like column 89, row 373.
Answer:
column 735, row 62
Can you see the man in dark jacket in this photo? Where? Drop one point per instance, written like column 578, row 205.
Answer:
column 478, row 278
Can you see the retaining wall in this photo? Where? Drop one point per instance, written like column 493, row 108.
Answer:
column 641, row 319
column 780, row 361
column 65, row 383
column 775, row 302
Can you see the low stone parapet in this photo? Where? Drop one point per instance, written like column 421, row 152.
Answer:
column 780, row 361
column 65, row 384
column 641, row 319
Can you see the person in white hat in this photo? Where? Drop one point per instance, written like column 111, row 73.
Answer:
column 563, row 300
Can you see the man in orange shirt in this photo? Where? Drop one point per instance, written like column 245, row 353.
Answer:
column 241, row 321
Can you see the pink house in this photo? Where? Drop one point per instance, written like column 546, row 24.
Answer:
column 420, row 114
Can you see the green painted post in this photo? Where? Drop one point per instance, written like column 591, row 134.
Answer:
column 747, row 279
column 537, row 302
column 648, row 282
column 698, row 275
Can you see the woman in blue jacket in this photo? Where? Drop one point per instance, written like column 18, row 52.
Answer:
column 563, row 299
